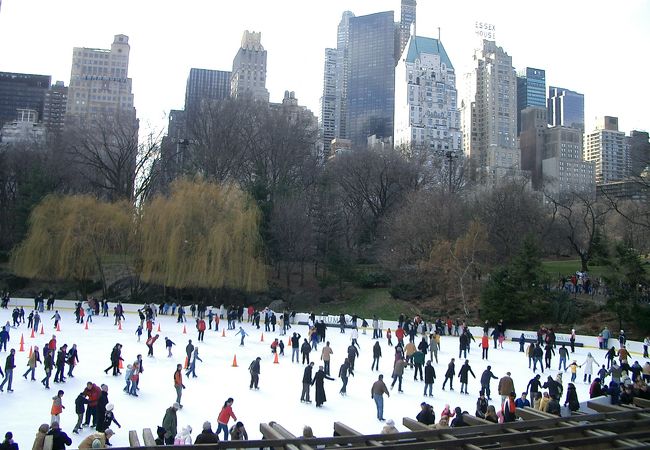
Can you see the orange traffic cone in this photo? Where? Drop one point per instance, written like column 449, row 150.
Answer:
column 22, row 344
column 158, row 328
column 86, row 327
column 262, row 338
column 119, row 325
column 184, row 330
column 223, row 333
column 42, row 331
column 58, row 327
column 275, row 360
column 30, row 351
column 120, row 365
column 187, row 362
column 234, row 361
column 32, row 336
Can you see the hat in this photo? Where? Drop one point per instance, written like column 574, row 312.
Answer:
column 110, row 407
column 109, row 431
column 390, row 423
column 176, row 405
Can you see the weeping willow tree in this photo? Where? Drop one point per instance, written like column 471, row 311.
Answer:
column 69, row 238
column 202, row 236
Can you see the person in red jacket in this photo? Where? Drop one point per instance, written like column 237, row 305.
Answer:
column 224, row 416
column 399, row 334
column 485, row 345
column 52, row 344
column 200, row 326
column 152, row 340
column 149, row 328
column 93, row 392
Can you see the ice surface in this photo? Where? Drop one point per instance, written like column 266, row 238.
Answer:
column 278, row 398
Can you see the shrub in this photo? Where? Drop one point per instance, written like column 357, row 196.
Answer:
column 373, row 280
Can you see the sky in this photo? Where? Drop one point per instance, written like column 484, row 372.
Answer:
column 278, row 397
column 595, row 47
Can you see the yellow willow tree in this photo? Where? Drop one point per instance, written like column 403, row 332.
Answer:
column 202, row 235
column 69, row 238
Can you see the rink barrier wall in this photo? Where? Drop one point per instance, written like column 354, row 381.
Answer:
column 634, row 347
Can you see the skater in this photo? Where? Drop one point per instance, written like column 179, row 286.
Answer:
column 56, row 317
column 189, row 349
column 353, row 354
column 305, row 350
column 48, row 364
column 572, row 398
column 32, row 362
column 224, row 417
column 319, row 382
column 463, row 374
column 486, row 377
column 485, row 345
column 200, row 327
column 152, row 340
column 295, row 347
column 344, row 372
column 376, row 354
column 506, row 387
column 192, row 367
column 243, row 335
column 57, row 407
column 72, row 360
column 564, row 355
column 178, row 384
column 325, row 356
column 254, row 369
column 449, row 375
column 9, row 371
column 418, row 362
column 138, row 332
column 306, row 382
column 589, row 367
column 398, row 373
column 377, row 393
column 429, row 377
column 168, row 345
column 79, row 407
column 92, row 392
column 116, row 357
column 60, row 364
column 108, row 419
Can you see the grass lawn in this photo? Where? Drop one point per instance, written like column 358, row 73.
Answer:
column 570, row 266
column 367, row 302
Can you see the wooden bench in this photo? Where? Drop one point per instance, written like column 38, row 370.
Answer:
column 133, row 439
column 341, row 429
column 286, row 434
column 147, row 438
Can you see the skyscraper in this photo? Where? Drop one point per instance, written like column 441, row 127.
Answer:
column 531, row 141
column 99, row 83
column 205, row 84
column 371, row 80
column 249, row 68
column 608, row 148
column 426, row 112
column 531, row 91
column 328, row 101
column 489, row 115
column 563, row 168
column 21, row 91
column 342, row 75
column 56, row 99
column 406, row 19
column 565, row 108
column 639, row 152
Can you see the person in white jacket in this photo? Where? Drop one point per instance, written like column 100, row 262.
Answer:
column 589, row 367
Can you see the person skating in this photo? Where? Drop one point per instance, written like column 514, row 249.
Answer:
column 32, row 362
column 589, row 367
column 506, row 386
column 108, row 419
column 224, row 417
column 178, row 384
column 79, row 408
column 485, row 345
column 254, row 369
column 116, row 357
column 353, row 354
column 325, row 356
column 168, row 345
column 319, row 383
column 305, row 350
column 243, row 334
column 564, row 355
column 57, row 407
column 572, row 398
column 295, row 347
column 189, row 348
column 486, row 377
column 306, row 383
column 463, row 375
column 429, row 377
column 60, row 364
column 344, row 372
column 192, row 367
column 398, row 373
column 449, row 375
column 72, row 359
column 48, row 365
column 377, row 392
column 534, row 385
column 9, row 371
column 150, row 342
column 56, row 317
column 376, row 354
column 200, row 328
column 170, row 424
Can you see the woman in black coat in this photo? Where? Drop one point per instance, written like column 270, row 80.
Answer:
column 572, row 398
column 319, row 382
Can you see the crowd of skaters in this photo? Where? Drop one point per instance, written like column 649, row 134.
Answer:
column 415, row 339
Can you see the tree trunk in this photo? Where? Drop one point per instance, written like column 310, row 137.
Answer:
column 302, row 272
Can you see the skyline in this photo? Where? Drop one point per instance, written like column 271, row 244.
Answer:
column 296, row 37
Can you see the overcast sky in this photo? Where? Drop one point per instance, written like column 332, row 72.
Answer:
column 599, row 48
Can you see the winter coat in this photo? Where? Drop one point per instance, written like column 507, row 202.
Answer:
column 588, row 365
column 398, row 370
column 506, row 386
column 429, row 374
column 170, row 423
column 376, row 350
column 206, row 437
column 59, row 439
column 87, row 443
column 319, row 382
column 451, row 370
column 225, row 414
column 486, row 376
column 80, row 404
column 464, row 372
column 572, row 399
column 307, row 374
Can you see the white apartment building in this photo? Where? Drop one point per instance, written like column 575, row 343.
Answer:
column 608, row 148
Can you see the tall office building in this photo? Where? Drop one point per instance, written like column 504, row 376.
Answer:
column 566, row 108
column 426, row 110
column 406, row 19
column 531, row 142
column 564, row 170
column 609, row 149
column 328, row 101
column 489, row 115
column 56, row 99
column 21, row 91
column 531, row 91
column 99, row 83
column 205, row 84
column 342, row 75
column 639, row 152
column 249, row 68
column 371, row 79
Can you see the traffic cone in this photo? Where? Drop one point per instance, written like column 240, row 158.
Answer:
column 30, row 351
column 158, row 328
column 58, row 327
column 86, row 327
column 275, row 360
column 119, row 325
column 32, row 336
column 262, row 338
column 187, row 362
column 234, row 361
column 22, row 344
column 184, row 330
column 42, row 331
column 223, row 333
